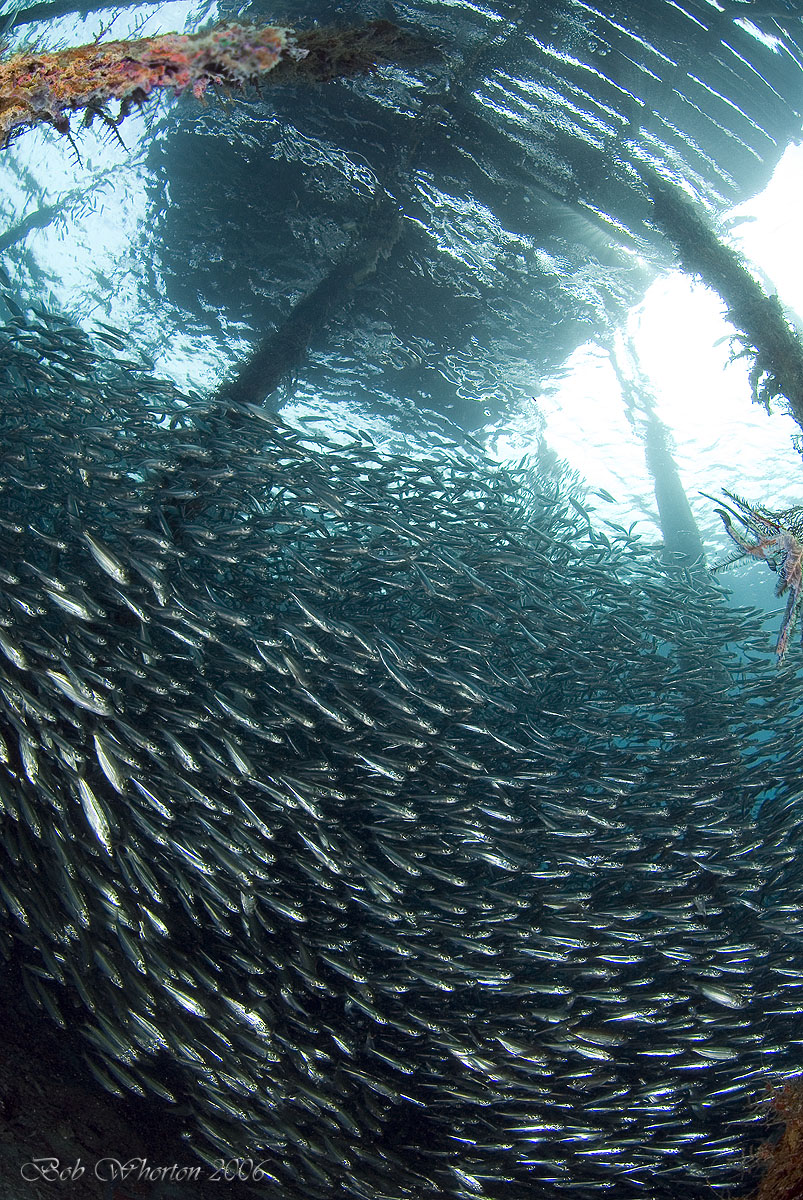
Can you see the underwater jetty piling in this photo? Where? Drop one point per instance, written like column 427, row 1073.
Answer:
column 683, row 546
column 763, row 330
column 281, row 351
column 49, row 88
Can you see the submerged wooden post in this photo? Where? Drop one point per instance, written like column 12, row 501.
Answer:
column 763, row 331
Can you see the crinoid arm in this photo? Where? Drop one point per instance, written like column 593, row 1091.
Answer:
column 743, row 512
column 738, row 557
column 746, row 509
column 788, row 623
column 745, row 547
column 739, row 501
column 755, row 517
column 792, row 519
column 791, row 575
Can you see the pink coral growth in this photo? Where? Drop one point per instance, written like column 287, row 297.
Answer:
column 49, row 87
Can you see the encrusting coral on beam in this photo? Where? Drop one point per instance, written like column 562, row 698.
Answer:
column 49, row 87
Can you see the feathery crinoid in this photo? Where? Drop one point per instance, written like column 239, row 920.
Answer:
column 775, row 538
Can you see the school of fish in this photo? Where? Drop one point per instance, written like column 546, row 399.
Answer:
column 383, row 811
